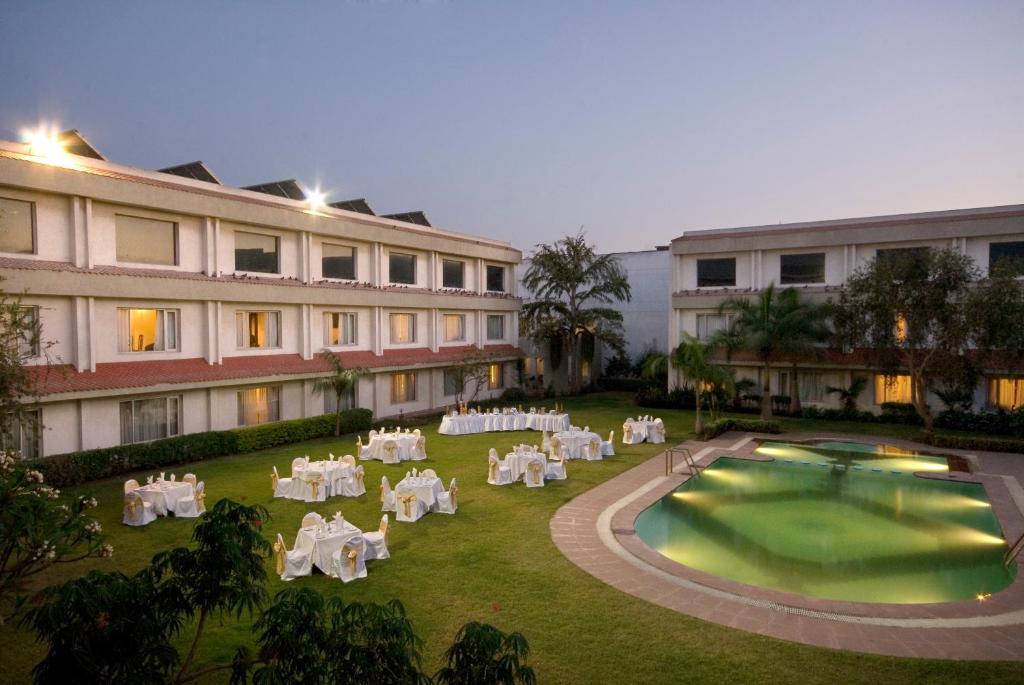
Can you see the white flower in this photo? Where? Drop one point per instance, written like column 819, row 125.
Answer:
column 34, row 476
column 93, row 527
column 107, row 551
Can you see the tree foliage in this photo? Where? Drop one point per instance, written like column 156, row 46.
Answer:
column 693, row 358
column 337, row 384
column 470, row 371
column 484, row 654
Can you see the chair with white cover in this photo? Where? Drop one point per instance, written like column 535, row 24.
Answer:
column 608, row 446
column 446, row 501
column 363, row 450
column 137, row 511
column 416, row 432
column 349, row 562
column 312, row 519
column 292, row 564
column 629, row 436
column 190, row 478
column 593, row 450
column 377, row 541
column 409, row 507
column 349, row 459
column 353, row 486
column 498, row 473
column 428, row 473
column 298, row 463
column 282, row 486
column 314, row 488
column 534, row 475
column 545, row 441
column 557, row 451
column 419, row 449
column 390, row 450
column 194, row 505
column 554, row 469
column 387, row 495
column 656, row 433
column 130, row 484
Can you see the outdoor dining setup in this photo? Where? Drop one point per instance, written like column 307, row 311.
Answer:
column 419, row 493
column 335, row 547
column 315, row 481
column 163, row 496
column 524, row 463
column 464, row 421
column 643, row 429
column 392, row 447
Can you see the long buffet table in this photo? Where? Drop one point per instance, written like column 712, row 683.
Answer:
column 467, row 424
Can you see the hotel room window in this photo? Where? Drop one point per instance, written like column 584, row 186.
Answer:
column 23, row 435
column 1006, row 393
column 710, row 324
column 799, row 269
column 340, row 328
column 495, row 326
column 256, row 252
column 403, row 328
column 403, row 387
column 148, row 330
column 338, row 261
column 258, row 330
column 259, row 405
column 452, row 386
column 495, row 377
column 716, row 273
column 146, row 241
column 150, row 419
column 892, row 388
column 348, row 401
column 402, row 268
column 28, row 345
column 1009, row 254
column 495, row 278
column 454, row 327
column 453, row 273
column 17, row 226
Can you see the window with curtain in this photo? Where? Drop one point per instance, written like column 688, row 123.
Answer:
column 348, row 401
column 28, row 345
column 259, row 405
column 495, row 327
column 258, row 330
column 1006, row 393
column 495, row 278
column 709, row 324
column 454, row 327
column 812, row 386
column 338, row 261
column 256, row 252
column 23, row 436
column 540, row 368
column 150, row 419
column 403, row 328
column 340, row 328
column 495, row 377
column 452, row 386
column 148, row 330
column 453, row 273
column 716, row 273
column 403, row 387
column 402, row 268
column 146, row 241
column 1008, row 254
column 892, row 388
column 17, row 226
column 802, row 268
column 585, row 369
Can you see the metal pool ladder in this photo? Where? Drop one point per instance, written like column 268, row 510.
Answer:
column 1014, row 551
column 691, row 463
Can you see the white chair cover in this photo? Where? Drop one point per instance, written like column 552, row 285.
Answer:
column 656, row 433
column 130, row 484
column 593, row 450
column 390, row 452
column 408, row 507
column 534, row 476
column 545, row 441
column 630, row 435
column 298, row 463
column 192, row 507
column 498, row 472
column 353, row 486
column 293, row 564
column 311, row 519
column 362, row 450
column 314, row 488
column 446, row 501
column 555, row 470
column 377, row 541
column 428, row 473
column 349, row 562
column 282, row 486
column 387, row 495
column 137, row 511
column 350, row 460
column 608, row 446
column 419, row 450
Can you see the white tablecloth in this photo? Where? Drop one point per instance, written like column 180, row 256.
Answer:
column 466, row 424
column 519, row 462
column 575, row 443
column 641, row 428
column 322, row 548
column 426, row 489
column 461, row 424
column 406, row 441
column 548, row 422
column 327, row 471
column 164, row 495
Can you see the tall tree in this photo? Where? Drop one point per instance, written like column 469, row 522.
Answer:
column 20, row 341
column 693, row 358
column 470, row 371
column 338, row 384
column 565, row 279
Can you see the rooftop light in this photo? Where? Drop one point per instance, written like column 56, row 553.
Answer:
column 316, row 199
column 44, row 142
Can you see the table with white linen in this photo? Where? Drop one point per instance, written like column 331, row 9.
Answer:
column 326, row 471
column 406, row 443
column 323, row 546
column 425, row 489
column 575, row 443
column 461, row 424
column 519, row 462
column 163, row 495
column 641, row 428
column 548, row 422
column 503, row 420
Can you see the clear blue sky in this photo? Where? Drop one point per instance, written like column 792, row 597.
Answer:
column 524, row 120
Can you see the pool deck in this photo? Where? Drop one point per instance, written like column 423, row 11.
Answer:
column 595, row 531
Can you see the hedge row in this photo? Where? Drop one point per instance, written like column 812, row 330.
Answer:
column 620, row 384
column 713, row 429
column 73, row 468
column 964, row 442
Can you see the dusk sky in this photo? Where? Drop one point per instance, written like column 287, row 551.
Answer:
column 525, row 120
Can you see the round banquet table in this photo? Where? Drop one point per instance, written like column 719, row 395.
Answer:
column 163, row 495
column 426, row 489
column 575, row 443
column 323, row 547
column 406, row 441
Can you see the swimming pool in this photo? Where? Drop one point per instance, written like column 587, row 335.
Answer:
column 838, row 521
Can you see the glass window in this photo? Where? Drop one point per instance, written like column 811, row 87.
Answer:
column 812, row 387
column 495, row 278
column 540, row 366
column 259, row 405
column 710, row 324
column 585, row 369
column 802, row 268
column 150, row 419
column 892, row 389
column 258, row 330
column 348, row 401
column 403, row 388
column 716, row 273
column 1010, row 255
column 146, row 241
column 28, row 346
column 452, row 386
column 338, row 261
column 256, row 252
column 495, row 377
column 402, row 268
column 454, row 327
column 17, row 226
column 453, row 273
column 495, row 327
column 148, row 330
column 340, row 328
column 1006, row 393
column 403, row 328
column 23, row 436
column 887, row 256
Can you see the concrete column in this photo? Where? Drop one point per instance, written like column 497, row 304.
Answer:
column 306, row 330
column 210, row 418
column 210, row 245
column 375, row 264
column 481, row 276
column 435, row 334
column 377, row 324
column 481, row 329
column 81, row 220
column 432, row 279
column 211, row 330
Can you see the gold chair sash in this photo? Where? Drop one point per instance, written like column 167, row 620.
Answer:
column 132, row 504
column 535, row 468
column 451, row 494
column 595, row 448
column 314, row 483
column 279, row 557
column 382, row 494
column 390, row 448
column 407, row 502
column 353, row 561
column 627, row 433
column 201, row 501
column 359, row 477
column 273, row 481
column 492, row 471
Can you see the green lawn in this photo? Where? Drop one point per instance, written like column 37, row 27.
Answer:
column 494, row 561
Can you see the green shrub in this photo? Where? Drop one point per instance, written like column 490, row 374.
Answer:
column 900, row 412
column 713, row 429
column 513, row 395
column 620, row 384
column 964, row 442
column 63, row 470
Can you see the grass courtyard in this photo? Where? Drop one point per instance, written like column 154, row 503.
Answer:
column 494, row 561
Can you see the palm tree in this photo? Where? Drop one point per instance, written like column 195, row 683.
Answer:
column 337, row 384
column 692, row 358
column 564, row 278
column 772, row 324
column 849, row 394
column 810, row 329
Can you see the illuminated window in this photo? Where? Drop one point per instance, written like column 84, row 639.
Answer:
column 710, row 324
column 901, row 328
column 340, row 328
column 402, row 268
column 259, row 405
column 258, row 330
column 28, row 346
column 454, row 327
column 23, row 436
column 716, row 273
column 146, row 241
column 453, row 273
column 403, row 328
column 540, row 366
column 338, row 261
column 802, row 268
column 148, row 330
column 256, row 252
column 17, row 226
column 892, row 389
column 495, row 278
column 495, row 327
column 495, row 377
column 1010, row 255
column 348, row 401
column 403, row 388
column 150, row 419
column 1006, row 393
column 585, row 369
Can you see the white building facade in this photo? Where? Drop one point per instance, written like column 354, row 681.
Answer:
column 175, row 305
column 817, row 258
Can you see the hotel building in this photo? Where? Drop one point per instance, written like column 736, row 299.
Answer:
column 816, row 258
column 174, row 304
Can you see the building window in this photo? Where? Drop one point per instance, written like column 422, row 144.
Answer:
column 17, row 226
column 148, row 330
column 402, row 268
column 453, row 273
column 258, row 330
column 710, row 324
column 259, row 405
column 812, row 387
column 150, row 419
column 495, row 377
column 28, row 345
column 894, row 256
column 1010, row 255
column 256, row 252
column 348, row 401
column 716, row 273
column 23, row 435
column 892, row 389
column 540, row 368
column 585, row 370
column 403, row 388
column 1006, row 393
column 495, row 278
column 146, row 241
column 339, row 328
column 495, row 327
column 403, row 328
column 802, row 268
column 452, row 383
column 454, row 327
column 338, row 261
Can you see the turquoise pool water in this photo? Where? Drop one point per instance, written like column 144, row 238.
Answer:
column 836, row 522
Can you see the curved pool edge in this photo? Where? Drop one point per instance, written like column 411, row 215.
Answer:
column 595, row 531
